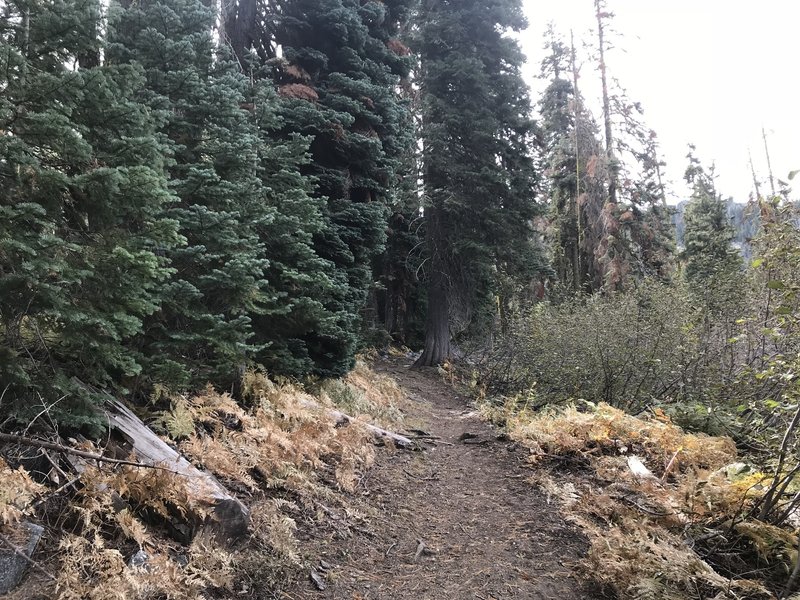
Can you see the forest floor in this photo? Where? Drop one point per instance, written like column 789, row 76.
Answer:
column 456, row 520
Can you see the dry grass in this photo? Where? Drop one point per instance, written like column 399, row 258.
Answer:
column 642, row 528
column 366, row 394
column 282, row 455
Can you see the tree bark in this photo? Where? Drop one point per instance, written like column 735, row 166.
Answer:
column 612, row 172
column 230, row 517
column 437, row 325
column 577, row 283
column 239, row 20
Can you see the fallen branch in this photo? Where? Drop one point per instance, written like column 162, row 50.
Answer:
column 36, row 443
column 794, row 576
column 341, row 418
column 420, row 550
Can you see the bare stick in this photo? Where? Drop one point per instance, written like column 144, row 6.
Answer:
column 795, row 574
column 25, row 557
column 27, row 441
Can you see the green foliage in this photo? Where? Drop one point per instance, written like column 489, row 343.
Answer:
column 83, row 226
column 571, row 158
column 711, row 260
column 202, row 331
column 479, row 175
column 166, row 219
column 337, row 77
column 629, row 350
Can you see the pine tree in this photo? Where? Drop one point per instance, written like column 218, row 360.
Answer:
column 711, row 260
column 478, row 173
column 340, row 66
column 203, row 331
column 300, row 282
column 572, row 159
column 82, row 226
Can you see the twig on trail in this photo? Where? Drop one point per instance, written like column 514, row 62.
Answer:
column 389, row 549
column 434, row 478
column 27, row 441
column 420, row 549
column 644, row 509
column 332, row 514
column 26, row 558
column 436, row 442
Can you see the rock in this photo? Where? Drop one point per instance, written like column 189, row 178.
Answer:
column 13, row 566
column 637, row 467
column 139, row 560
column 318, row 581
column 737, row 470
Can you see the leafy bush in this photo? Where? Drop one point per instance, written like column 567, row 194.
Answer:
column 629, row 350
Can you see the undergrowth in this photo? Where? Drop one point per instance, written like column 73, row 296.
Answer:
column 117, row 531
column 665, row 511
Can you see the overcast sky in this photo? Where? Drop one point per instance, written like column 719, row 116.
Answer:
column 709, row 72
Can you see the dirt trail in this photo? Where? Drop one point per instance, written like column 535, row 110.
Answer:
column 487, row 533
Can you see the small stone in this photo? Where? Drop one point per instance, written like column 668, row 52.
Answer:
column 139, row 560
column 318, row 580
column 13, row 566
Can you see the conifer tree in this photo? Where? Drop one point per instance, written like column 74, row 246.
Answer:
column 572, row 161
column 478, row 173
column 82, row 225
column 711, row 260
column 300, row 282
column 338, row 75
column 203, row 331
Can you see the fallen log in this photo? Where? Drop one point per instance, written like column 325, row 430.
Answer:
column 230, row 517
column 341, row 419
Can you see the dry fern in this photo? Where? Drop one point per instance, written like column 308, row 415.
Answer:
column 283, row 452
column 17, row 492
column 636, row 524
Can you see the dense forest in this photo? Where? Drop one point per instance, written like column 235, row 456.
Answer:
column 221, row 198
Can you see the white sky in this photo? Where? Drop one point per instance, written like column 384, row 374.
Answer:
column 709, row 72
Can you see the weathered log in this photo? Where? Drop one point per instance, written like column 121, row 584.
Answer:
column 343, row 419
column 231, row 518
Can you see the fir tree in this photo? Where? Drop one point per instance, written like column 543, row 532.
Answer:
column 338, row 74
column 572, row 161
column 203, row 331
column 300, row 282
column 478, row 173
column 82, row 225
column 711, row 260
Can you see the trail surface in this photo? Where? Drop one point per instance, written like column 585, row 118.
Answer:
column 455, row 521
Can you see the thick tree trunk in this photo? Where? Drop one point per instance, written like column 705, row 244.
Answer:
column 239, row 20
column 437, row 326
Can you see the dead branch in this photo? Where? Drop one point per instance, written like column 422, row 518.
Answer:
column 341, row 418
column 35, row 443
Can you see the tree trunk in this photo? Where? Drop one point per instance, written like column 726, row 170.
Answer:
column 230, row 518
column 239, row 19
column 577, row 279
column 437, row 325
column 612, row 170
